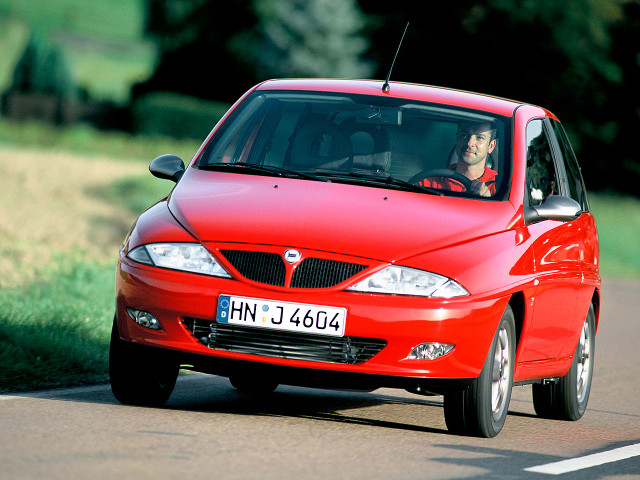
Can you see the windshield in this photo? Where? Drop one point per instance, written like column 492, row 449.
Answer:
column 382, row 142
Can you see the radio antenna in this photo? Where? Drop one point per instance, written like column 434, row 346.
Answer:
column 385, row 87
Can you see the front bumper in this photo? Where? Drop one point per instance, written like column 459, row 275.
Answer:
column 180, row 300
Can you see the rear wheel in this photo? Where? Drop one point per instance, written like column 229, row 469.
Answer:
column 567, row 399
column 140, row 375
column 481, row 408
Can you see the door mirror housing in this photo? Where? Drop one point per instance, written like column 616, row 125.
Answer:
column 554, row 207
column 169, row 167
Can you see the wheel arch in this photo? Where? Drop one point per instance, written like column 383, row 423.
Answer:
column 595, row 301
column 517, row 303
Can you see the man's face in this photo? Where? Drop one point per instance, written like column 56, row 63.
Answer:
column 474, row 142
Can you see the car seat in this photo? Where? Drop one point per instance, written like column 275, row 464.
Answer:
column 371, row 149
column 321, row 145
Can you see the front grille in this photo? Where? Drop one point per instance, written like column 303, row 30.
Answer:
column 270, row 269
column 260, row 267
column 289, row 345
column 322, row 273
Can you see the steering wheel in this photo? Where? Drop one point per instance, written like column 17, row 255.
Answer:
column 442, row 172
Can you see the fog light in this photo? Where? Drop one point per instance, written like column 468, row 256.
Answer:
column 430, row 351
column 144, row 319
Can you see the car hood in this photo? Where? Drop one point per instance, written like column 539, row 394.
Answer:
column 376, row 223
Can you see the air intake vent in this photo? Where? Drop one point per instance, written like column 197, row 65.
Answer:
column 270, row 268
column 294, row 346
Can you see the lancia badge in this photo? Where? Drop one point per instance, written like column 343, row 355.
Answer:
column 292, row 256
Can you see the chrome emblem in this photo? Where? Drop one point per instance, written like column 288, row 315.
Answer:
column 292, row 256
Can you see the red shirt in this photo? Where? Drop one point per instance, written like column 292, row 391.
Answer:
column 445, row 183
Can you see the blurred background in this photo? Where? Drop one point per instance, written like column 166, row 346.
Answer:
column 91, row 91
column 172, row 67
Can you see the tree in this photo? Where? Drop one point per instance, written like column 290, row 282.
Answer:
column 624, row 103
column 576, row 57
column 309, row 38
column 42, row 69
column 42, row 85
column 193, row 37
column 217, row 49
column 555, row 54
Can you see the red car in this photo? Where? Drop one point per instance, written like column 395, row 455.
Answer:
column 332, row 233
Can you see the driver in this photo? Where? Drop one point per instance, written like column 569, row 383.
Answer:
column 474, row 141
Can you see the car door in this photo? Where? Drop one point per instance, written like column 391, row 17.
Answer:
column 584, row 227
column 557, row 248
column 586, row 222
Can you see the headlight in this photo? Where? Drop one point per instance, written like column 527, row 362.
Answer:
column 188, row 257
column 410, row 281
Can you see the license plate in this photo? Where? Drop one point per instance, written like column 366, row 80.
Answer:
column 277, row 315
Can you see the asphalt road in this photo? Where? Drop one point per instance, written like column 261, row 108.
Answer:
column 208, row 430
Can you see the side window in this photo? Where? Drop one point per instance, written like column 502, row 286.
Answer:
column 574, row 177
column 542, row 180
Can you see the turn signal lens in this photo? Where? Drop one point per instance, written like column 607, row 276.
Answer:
column 430, row 351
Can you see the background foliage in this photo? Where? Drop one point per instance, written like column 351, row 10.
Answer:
column 579, row 58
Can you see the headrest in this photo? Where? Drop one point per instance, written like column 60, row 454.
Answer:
column 371, row 149
column 321, row 145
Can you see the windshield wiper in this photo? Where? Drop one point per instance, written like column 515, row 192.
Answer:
column 269, row 169
column 369, row 178
column 378, row 179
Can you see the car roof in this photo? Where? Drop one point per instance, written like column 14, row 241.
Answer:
column 425, row 93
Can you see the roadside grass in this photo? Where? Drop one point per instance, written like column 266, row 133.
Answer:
column 618, row 221
column 86, row 140
column 56, row 332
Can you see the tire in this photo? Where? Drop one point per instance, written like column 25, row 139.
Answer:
column 140, row 375
column 567, row 399
column 481, row 408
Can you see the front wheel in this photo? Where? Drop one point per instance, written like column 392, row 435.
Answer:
column 567, row 399
column 140, row 375
column 481, row 408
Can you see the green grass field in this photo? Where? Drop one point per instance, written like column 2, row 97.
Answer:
column 102, row 41
column 618, row 220
column 106, row 19
column 56, row 331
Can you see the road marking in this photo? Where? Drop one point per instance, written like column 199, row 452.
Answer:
column 588, row 461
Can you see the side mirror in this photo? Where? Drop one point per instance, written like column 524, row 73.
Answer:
column 169, row 167
column 554, row 207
